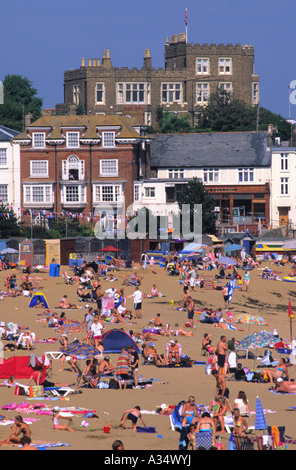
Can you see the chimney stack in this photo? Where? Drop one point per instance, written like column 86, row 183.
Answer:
column 147, row 60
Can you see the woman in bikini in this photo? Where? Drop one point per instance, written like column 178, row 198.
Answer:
column 279, row 372
column 189, row 412
column 19, row 427
column 206, row 344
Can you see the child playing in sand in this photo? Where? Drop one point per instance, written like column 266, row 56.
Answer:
column 56, row 420
column 133, row 415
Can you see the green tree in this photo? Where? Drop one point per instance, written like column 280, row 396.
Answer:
column 282, row 126
column 195, row 193
column 10, row 226
column 170, row 122
column 63, row 227
column 226, row 114
column 20, row 98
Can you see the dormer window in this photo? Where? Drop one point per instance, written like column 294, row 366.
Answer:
column 38, row 140
column 73, row 140
column 108, row 139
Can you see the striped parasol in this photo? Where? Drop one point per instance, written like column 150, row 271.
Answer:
column 260, row 422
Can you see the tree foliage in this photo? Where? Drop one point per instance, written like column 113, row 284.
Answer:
column 20, row 98
column 10, row 226
column 224, row 113
column 195, row 193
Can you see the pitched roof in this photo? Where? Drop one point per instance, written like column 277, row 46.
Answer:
column 7, row 134
column 229, row 149
column 89, row 124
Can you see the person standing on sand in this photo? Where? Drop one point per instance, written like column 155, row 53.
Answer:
column 137, row 297
column 221, row 351
column 247, row 280
column 190, row 311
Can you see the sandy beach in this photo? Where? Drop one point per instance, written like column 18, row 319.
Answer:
column 267, row 298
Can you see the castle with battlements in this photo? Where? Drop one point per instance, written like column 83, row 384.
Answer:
column 191, row 73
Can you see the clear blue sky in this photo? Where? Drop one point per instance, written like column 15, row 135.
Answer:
column 40, row 40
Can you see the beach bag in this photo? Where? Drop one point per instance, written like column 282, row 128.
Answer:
column 113, row 384
column 36, row 391
column 19, row 390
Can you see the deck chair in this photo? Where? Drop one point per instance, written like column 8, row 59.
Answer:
column 82, row 379
column 67, row 279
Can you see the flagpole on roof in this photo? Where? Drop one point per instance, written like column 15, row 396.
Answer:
column 186, row 23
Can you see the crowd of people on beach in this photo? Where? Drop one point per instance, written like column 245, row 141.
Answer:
column 109, row 306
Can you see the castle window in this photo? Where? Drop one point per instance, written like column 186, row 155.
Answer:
column 255, row 92
column 226, row 86
column 202, row 66
column 76, row 94
column 133, row 93
column 171, row 92
column 225, row 66
column 100, row 91
column 202, row 92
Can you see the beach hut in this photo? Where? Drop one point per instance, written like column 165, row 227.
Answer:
column 26, row 250
column 52, row 251
column 37, row 299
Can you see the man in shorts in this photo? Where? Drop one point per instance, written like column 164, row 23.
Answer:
column 226, row 297
column 137, row 297
column 222, row 348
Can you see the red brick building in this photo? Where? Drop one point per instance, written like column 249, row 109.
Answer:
column 80, row 163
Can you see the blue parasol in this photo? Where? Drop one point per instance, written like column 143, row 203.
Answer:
column 260, row 422
column 80, row 350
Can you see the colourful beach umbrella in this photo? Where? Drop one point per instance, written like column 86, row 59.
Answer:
column 257, row 340
column 250, row 319
column 260, row 422
column 81, row 350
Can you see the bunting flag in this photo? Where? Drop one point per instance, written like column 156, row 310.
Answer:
column 290, row 311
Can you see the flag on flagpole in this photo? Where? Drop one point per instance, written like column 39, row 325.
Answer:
column 290, row 311
column 186, row 17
